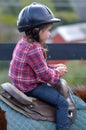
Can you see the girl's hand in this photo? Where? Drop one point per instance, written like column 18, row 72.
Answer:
column 60, row 65
column 62, row 69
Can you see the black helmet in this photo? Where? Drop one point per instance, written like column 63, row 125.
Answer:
column 34, row 15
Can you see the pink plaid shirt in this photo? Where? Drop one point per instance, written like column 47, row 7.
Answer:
column 28, row 67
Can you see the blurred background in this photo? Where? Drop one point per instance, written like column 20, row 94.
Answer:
column 72, row 29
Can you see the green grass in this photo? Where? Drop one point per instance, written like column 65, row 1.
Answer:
column 67, row 17
column 4, row 77
column 76, row 75
column 8, row 19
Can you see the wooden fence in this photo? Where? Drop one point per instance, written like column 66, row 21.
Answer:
column 55, row 51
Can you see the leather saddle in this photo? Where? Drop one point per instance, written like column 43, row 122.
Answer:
column 34, row 108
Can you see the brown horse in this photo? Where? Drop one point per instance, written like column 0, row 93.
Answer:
column 3, row 121
column 80, row 92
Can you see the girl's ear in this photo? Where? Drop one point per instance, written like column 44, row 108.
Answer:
column 35, row 34
column 36, row 31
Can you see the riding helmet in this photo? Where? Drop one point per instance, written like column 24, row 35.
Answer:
column 34, row 15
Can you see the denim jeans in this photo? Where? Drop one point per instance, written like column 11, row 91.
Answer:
column 52, row 96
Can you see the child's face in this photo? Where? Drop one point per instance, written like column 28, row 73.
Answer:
column 45, row 34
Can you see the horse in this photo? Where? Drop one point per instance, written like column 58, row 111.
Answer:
column 80, row 92
column 37, row 110
column 3, row 120
column 17, row 121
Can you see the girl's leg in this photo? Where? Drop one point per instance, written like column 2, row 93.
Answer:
column 50, row 95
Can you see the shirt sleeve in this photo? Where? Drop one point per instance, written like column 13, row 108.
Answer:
column 52, row 66
column 39, row 65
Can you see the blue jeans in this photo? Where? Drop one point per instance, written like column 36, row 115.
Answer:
column 52, row 96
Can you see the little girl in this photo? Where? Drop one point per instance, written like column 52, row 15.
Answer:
column 29, row 71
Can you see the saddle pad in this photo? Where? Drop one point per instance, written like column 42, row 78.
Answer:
column 17, row 121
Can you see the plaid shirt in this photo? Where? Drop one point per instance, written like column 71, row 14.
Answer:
column 28, row 67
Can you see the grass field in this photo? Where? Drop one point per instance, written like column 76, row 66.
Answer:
column 76, row 75
column 4, row 77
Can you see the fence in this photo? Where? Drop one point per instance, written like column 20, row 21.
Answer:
column 56, row 51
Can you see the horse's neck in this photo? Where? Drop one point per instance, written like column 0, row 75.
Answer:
column 80, row 92
column 3, row 121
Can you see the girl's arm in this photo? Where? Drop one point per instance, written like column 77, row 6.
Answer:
column 39, row 65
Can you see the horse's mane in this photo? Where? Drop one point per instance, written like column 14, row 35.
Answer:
column 3, row 121
column 80, row 92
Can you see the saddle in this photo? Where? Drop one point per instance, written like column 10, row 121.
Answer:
column 34, row 108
